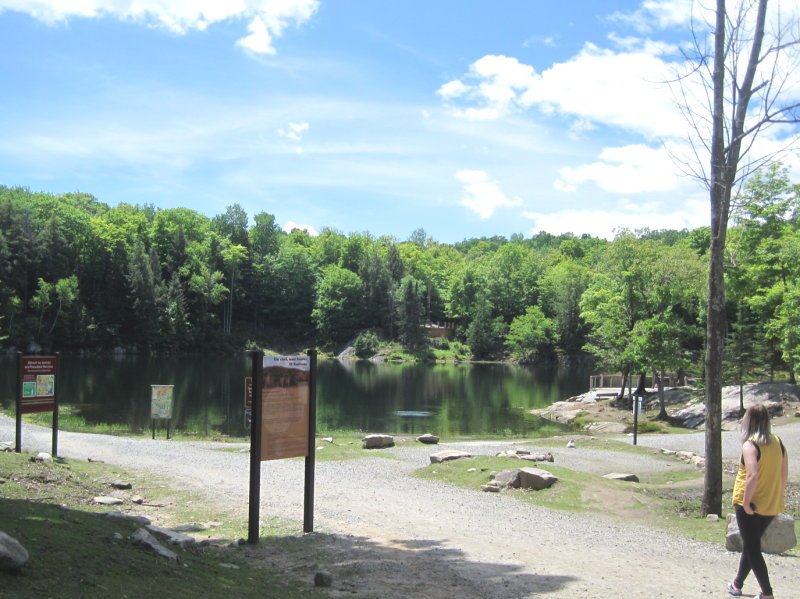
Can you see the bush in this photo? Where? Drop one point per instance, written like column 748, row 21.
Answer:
column 366, row 345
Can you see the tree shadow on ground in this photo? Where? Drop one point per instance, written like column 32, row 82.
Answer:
column 399, row 569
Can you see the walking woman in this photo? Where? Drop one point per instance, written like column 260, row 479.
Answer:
column 758, row 495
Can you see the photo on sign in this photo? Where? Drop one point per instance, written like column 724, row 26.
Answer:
column 29, row 389
column 45, row 385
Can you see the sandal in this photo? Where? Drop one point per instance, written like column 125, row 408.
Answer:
column 732, row 590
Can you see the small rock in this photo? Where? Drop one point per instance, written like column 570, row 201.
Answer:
column 323, row 579
column 377, row 441
column 229, row 566
column 191, row 527
column 137, row 499
column 491, row 487
column 121, row 484
column 712, row 517
column 139, row 520
column 446, row 456
column 7, row 446
column 428, row 439
column 117, row 536
column 321, row 447
column 148, row 541
column 107, row 500
column 171, row 537
column 472, row 470
column 42, row 457
column 624, row 477
column 668, row 451
column 571, row 444
column 328, row 439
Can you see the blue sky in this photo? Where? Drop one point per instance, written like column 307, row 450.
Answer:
column 465, row 118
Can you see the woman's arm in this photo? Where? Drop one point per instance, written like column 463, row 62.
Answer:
column 785, row 470
column 750, row 456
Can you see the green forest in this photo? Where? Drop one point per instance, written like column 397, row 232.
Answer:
column 77, row 273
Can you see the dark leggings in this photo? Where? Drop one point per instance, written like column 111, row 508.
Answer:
column 751, row 528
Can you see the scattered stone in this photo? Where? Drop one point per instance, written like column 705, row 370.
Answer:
column 796, row 415
column 145, row 539
column 229, row 566
column 778, row 538
column 428, row 439
column 320, row 447
column 513, row 453
column 138, row 520
column 117, row 536
column 103, row 500
column 13, row 556
column 616, row 428
column 171, row 537
column 328, row 439
column 95, row 461
column 698, row 461
column 685, row 455
column 668, row 451
column 472, row 470
column 138, row 499
column 323, row 579
column 377, row 441
column 7, row 446
column 537, row 457
column 448, row 455
column 712, row 518
column 42, row 457
column 491, row 487
column 620, row 476
column 571, row 444
column 121, row 484
column 191, row 527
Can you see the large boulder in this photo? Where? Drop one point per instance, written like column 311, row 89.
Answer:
column 12, row 554
column 377, row 441
column 778, row 538
column 524, row 478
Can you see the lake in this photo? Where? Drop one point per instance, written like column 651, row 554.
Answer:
column 447, row 399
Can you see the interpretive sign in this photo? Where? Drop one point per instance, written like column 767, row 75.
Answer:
column 38, row 379
column 161, row 402
column 284, row 407
column 37, row 391
column 284, row 411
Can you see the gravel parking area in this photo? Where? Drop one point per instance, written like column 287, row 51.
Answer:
column 384, row 533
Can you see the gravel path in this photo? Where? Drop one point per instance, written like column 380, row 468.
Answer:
column 395, row 536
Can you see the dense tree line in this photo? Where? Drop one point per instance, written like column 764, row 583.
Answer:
column 77, row 273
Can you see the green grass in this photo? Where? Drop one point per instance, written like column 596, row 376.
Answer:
column 74, row 549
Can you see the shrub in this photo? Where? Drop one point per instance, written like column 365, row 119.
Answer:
column 366, row 345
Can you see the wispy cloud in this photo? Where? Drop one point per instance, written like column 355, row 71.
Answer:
column 482, row 194
column 294, row 131
column 267, row 19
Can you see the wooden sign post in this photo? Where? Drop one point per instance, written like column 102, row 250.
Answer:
column 283, row 424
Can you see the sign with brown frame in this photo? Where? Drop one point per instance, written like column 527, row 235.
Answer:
column 37, row 391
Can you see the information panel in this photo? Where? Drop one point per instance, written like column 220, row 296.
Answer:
column 38, row 378
column 248, row 401
column 284, row 407
column 161, row 402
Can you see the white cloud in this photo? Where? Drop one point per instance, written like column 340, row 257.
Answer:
column 657, row 14
column 604, row 223
column 294, row 131
column 482, row 194
column 291, row 226
column 267, row 18
column 597, row 85
column 628, row 169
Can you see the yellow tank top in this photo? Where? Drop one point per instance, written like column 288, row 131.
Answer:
column 768, row 496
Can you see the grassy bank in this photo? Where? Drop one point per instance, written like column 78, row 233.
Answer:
column 77, row 552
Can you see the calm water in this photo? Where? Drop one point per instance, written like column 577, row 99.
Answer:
column 464, row 399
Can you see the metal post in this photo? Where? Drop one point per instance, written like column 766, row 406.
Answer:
column 55, row 404
column 257, row 360
column 308, row 498
column 19, row 402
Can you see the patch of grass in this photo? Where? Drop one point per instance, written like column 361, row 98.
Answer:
column 74, row 549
